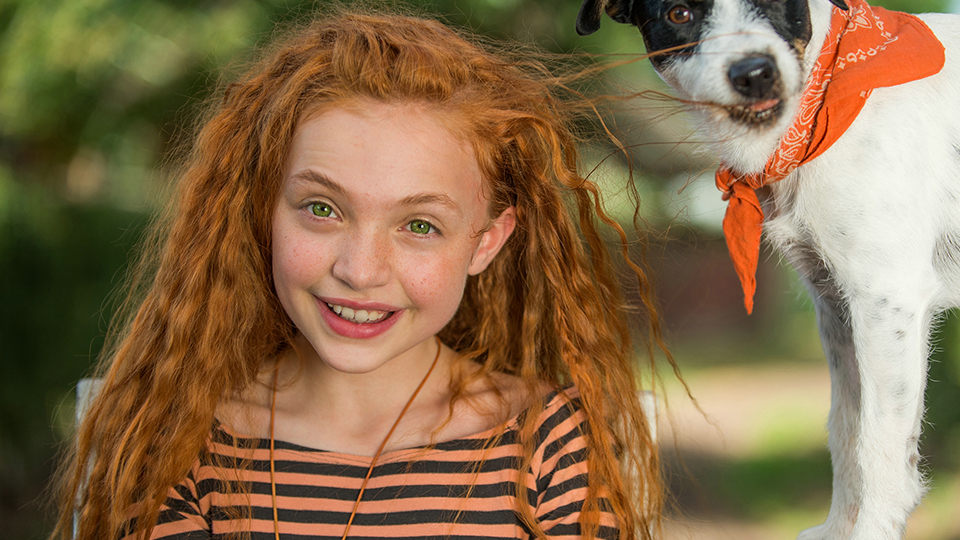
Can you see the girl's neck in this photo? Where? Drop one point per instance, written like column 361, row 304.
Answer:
column 320, row 407
column 350, row 413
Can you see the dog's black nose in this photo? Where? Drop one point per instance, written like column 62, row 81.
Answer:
column 753, row 77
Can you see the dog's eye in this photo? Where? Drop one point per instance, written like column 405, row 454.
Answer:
column 680, row 15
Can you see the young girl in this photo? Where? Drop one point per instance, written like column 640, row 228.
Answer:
column 372, row 315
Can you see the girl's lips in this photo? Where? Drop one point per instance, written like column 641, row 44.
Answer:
column 358, row 330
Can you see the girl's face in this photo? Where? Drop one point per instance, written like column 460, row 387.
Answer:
column 380, row 220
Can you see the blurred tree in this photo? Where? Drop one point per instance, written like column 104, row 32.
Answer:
column 58, row 262
column 941, row 435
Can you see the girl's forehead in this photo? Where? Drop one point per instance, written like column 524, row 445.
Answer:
column 386, row 149
column 383, row 128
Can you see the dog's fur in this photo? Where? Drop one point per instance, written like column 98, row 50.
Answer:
column 872, row 225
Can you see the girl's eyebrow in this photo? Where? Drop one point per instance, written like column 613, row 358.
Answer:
column 318, row 178
column 441, row 199
column 432, row 198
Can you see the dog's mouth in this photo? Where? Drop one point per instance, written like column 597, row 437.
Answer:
column 759, row 113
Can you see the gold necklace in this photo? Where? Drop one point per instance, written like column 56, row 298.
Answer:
column 363, row 486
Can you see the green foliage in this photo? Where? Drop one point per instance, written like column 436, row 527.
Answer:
column 90, row 90
column 58, row 264
column 752, row 488
column 941, row 435
column 914, row 6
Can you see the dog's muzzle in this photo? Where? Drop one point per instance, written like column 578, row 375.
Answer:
column 754, row 77
column 757, row 79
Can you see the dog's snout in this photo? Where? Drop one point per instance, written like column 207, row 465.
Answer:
column 754, row 77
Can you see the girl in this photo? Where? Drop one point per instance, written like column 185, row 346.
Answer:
column 372, row 315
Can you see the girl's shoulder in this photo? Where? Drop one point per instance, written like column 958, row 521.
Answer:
column 557, row 405
column 560, row 420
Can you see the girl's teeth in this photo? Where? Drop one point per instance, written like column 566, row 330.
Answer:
column 358, row 315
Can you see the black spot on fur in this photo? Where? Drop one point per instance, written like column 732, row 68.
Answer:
column 900, row 391
column 790, row 20
column 660, row 34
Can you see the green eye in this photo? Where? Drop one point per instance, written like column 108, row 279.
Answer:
column 321, row 209
column 420, row 227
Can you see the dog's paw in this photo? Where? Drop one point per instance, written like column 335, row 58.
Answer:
column 815, row 533
column 827, row 531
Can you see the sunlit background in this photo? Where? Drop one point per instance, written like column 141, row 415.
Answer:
column 95, row 94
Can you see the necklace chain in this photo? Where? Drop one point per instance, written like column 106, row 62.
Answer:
column 373, row 462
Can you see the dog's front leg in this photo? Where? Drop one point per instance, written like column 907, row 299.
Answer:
column 890, row 330
column 844, row 424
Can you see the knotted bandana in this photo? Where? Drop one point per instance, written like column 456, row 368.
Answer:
column 866, row 47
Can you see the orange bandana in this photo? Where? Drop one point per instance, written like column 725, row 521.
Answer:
column 867, row 47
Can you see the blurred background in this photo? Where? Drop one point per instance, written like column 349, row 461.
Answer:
column 96, row 94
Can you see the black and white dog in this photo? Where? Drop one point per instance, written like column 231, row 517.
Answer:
column 872, row 224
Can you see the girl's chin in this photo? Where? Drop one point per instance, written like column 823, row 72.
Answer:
column 363, row 356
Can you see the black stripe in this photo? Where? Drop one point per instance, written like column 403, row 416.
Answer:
column 291, row 536
column 389, row 493
column 392, row 519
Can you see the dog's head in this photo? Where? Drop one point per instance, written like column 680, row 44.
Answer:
column 739, row 62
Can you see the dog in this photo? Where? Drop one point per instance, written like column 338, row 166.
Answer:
column 868, row 215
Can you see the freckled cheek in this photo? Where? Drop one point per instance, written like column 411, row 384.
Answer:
column 297, row 262
column 437, row 282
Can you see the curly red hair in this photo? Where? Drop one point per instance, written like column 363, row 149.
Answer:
column 548, row 309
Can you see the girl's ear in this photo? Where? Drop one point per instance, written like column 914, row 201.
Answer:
column 492, row 240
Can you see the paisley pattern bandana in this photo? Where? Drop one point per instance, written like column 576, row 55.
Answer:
column 866, row 47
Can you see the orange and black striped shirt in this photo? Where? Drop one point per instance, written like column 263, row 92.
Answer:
column 453, row 490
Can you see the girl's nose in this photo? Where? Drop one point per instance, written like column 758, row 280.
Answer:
column 362, row 262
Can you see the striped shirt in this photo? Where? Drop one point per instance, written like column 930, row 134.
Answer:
column 454, row 489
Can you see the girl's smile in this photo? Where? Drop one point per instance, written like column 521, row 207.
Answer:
column 380, row 220
column 358, row 319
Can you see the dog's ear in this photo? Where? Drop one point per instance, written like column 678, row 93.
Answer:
column 588, row 21
column 840, row 4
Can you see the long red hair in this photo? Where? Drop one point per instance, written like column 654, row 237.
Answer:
column 548, row 309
